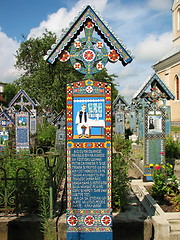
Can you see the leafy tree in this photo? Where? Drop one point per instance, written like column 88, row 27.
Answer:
column 10, row 91
column 46, row 82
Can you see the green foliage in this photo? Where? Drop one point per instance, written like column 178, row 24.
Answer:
column 34, row 193
column 175, row 128
column 165, row 182
column 172, row 148
column 121, row 145
column 9, row 92
column 103, row 76
column 33, row 170
column 120, row 171
column 176, row 201
column 120, row 188
column 46, row 134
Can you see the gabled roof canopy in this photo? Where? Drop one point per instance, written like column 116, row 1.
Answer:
column 150, row 83
column 6, row 115
column 120, row 99
column 101, row 28
column 25, row 95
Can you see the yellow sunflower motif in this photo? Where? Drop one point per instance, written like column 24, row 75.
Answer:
column 70, row 144
column 89, row 82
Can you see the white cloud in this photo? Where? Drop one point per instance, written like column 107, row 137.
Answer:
column 153, row 47
column 131, row 77
column 8, row 47
column 61, row 19
column 160, row 5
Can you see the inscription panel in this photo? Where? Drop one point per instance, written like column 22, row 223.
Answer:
column 89, row 181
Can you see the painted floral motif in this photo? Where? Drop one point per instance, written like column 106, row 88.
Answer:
column 72, row 220
column 89, row 55
column 89, row 24
column 77, row 65
column 64, row 56
column 89, row 89
column 77, row 44
column 89, row 220
column 106, row 220
column 99, row 66
column 113, row 56
column 99, row 44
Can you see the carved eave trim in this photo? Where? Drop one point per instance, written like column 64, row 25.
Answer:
column 74, row 30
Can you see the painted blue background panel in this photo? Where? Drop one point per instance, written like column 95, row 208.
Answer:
column 22, row 135
column 89, row 236
column 89, row 178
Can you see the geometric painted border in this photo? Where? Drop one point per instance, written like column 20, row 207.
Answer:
column 76, row 89
column 89, row 220
column 158, row 135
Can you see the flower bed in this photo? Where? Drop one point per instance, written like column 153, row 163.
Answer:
column 166, row 224
column 168, row 203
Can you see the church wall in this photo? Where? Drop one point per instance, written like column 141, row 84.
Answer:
column 168, row 77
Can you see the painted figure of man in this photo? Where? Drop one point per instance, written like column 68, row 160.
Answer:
column 82, row 122
column 151, row 123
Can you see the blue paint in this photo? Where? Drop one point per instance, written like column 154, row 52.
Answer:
column 89, row 178
column 95, row 108
column 22, row 136
column 89, row 236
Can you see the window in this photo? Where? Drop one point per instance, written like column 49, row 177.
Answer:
column 177, row 87
column 178, row 18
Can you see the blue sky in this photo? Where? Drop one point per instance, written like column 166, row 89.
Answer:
column 144, row 26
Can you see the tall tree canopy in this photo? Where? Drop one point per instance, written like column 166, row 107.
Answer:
column 46, row 82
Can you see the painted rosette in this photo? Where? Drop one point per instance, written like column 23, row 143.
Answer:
column 89, row 55
column 106, row 220
column 89, row 89
column 89, row 25
column 77, row 65
column 89, row 220
column 113, row 56
column 77, row 44
column 64, row 56
column 100, row 66
column 72, row 220
column 99, row 44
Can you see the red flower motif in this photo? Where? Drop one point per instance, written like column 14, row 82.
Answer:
column 89, row 55
column 157, row 167
column 72, row 220
column 89, row 220
column 113, row 56
column 106, row 220
column 89, row 24
column 64, row 56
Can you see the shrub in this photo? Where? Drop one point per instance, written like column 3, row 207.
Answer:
column 34, row 181
column 172, row 148
column 120, row 182
column 46, row 134
column 120, row 164
column 122, row 145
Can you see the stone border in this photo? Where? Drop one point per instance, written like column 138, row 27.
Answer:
column 166, row 225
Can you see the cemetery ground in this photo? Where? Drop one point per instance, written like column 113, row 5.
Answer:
column 36, row 206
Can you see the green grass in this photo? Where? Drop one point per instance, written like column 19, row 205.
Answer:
column 175, row 128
